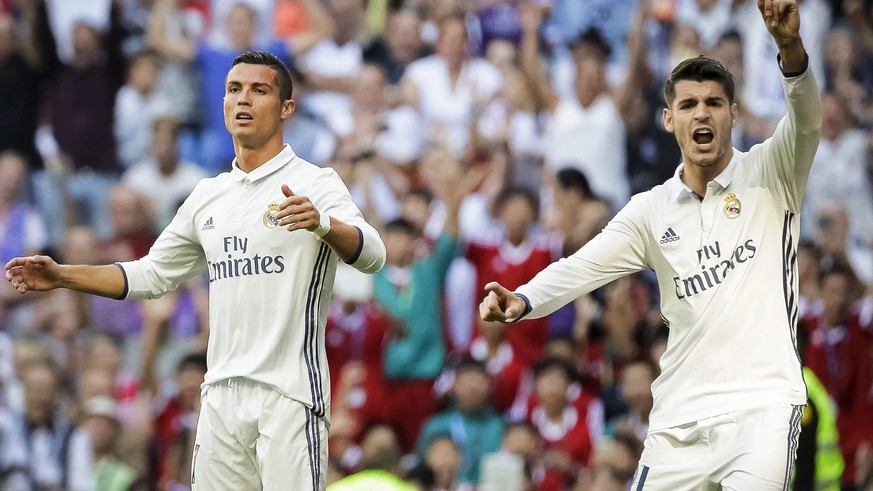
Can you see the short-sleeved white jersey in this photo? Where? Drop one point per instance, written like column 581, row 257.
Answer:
column 726, row 268
column 268, row 288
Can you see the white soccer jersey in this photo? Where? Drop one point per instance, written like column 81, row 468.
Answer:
column 726, row 268
column 268, row 288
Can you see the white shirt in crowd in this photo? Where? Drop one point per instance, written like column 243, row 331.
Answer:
column 840, row 175
column 599, row 130
column 328, row 59
column 166, row 192
column 762, row 86
column 268, row 288
column 726, row 268
column 448, row 108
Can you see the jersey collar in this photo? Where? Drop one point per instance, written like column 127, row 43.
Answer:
column 679, row 190
column 268, row 167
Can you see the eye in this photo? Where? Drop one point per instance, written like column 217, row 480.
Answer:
column 259, row 91
column 232, row 90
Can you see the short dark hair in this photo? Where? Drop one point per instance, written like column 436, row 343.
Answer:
column 470, row 364
column 283, row 75
column 554, row 363
column 522, row 192
column 571, row 178
column 700, row 69
column 192, row 361
column 401, row 225
column 593, row 38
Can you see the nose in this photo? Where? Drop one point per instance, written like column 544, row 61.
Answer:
column 243, row 99
column 701, row 112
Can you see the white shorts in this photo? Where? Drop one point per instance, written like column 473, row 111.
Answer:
column 249, row 437
column 748, row 450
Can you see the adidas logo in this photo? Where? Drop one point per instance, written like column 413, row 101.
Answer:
column 208, row 225
column 669, row 236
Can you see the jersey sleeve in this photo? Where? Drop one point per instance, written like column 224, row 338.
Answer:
column 786, row 158
column 617, row 251
column 337, row 202
column 175, row 257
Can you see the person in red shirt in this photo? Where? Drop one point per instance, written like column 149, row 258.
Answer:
column 839, row 356
column 506, row 370
column 563, row 430
column 513, row 261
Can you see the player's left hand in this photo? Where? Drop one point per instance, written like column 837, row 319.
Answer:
column 782, row 20
column 297, row 212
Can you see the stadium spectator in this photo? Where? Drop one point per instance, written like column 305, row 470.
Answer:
column 22, row 72
column 472, row 423
column 399, row 46
column 450, row 88
column 100, row 420
column 59, row 452
column 83, row 132
column 588, row 117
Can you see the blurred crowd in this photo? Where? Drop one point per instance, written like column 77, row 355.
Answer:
column 484, row 139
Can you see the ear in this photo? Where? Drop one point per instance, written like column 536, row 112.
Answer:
column 667, row 118
column 287, row 109
column 735, row 115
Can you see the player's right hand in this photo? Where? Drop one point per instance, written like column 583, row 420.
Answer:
column 500, row 304
column 36, row 273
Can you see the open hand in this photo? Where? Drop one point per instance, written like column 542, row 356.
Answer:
column 36, row 273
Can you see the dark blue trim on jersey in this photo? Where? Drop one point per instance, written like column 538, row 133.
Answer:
column 316, row 433
column 357, row 255
column 307, row 428
column 527, row 308
column 793, row 439
column 319, row 383
column 310, row 333
column 126, row 284
column 789, row 268
column 643, row 474
column 798, row 72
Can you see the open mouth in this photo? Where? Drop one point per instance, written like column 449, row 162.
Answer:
column 703, row 137
column 244, row 117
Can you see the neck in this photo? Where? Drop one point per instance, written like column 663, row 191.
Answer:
column 99, row 455
column 554, row 413
column 697, row 177
column 168, row 168
column 250, row 157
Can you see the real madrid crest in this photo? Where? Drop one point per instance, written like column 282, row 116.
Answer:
column 270, row 219
column 732, row 206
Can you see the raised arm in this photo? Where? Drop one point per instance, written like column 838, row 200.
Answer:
column 42, row 273
column 531, row 20
column 639, row 73
column 179, row 47
column 783, row 22
column 791, row 149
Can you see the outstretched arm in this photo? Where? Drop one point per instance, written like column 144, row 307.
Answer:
column 41, row 273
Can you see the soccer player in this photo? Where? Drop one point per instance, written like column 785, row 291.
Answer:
column 721, row 236
column 269, row 234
